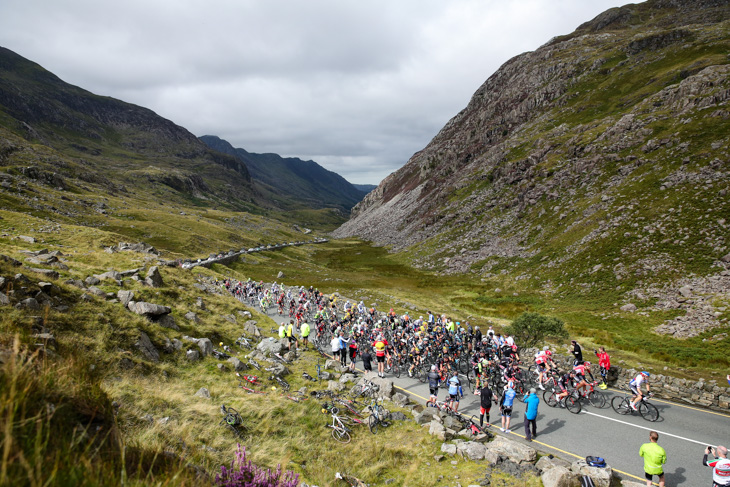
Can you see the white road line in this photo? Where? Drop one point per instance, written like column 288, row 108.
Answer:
column 703, row 443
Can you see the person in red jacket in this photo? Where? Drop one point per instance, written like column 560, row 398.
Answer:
column 604, row 362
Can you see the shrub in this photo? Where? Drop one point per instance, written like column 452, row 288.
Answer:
column 243, row 473
column 531, row 329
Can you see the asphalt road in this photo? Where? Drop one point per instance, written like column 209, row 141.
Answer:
column 684, row 432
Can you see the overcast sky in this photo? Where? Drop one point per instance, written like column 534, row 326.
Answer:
column 358, row 86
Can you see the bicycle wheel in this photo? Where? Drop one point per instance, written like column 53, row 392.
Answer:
column 597, row 400
column 422, row 374
column 395, row 369
column 572, row 404
column 373, row 423
column 549, row 398
column 341, row 435
column 620, row 405
column 648, row 411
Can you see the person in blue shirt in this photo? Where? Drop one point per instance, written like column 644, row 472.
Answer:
column 505, row 406
column 454, row 390
column 532, row 401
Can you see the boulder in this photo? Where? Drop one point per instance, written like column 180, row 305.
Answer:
column 125, row 297
column 452, row 423
column 335, row 386
column 516, row 452
column 153, row 278
column 385, row 390
column 629, row 308
column 190, row 316
column 437, row 429
column 448, row 449
column 148, row 309
column 4, row 300
column 167, row 321
column 26, row 239
column 200, row 304
column 270, row 346
column 30, row 303
column 601, row 476
column 246, row 314
column 111, row 275
column 144, row 345
column 347, row 378
column 560, row 477
column 177, row 344
column 10, row 260
column 203, row 392
column 205, row 346
column 97, row 292
column 251, row 329
column 400, row 399
column 50, row 274
column 279, row 370
column 472, row 450
column 546, row 463
column 192, row 355
column 92, row 281
column 491, row 456
column 237, row 365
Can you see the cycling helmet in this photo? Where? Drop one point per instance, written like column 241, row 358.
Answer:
column 433, row 367
column 220, row 344
column 548, row 352
column 586, row 363
column 645, row 373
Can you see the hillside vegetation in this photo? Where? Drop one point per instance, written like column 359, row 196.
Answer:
column 593, row 171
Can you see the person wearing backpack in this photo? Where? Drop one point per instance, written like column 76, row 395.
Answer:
column 654, row 459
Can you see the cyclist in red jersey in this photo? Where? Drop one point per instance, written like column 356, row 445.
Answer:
column 380, row 345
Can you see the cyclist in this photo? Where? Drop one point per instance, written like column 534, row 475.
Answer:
column 720, row 467
column 635, row 386
column 580, row 376
column 485, row 399
column 604, row 362
column 542, row 365
column 505, row 407
column 380, row 345
column 564, row 383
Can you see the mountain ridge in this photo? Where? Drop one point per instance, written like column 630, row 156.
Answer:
column 596, row 164
column 305, row 181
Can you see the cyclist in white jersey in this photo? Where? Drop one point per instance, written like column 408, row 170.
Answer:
column 635, row 386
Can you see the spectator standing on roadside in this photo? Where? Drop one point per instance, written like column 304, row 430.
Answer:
column 532, row 402
column 720, row 467
column 577, row 353
column 654, row 459
column 433, row 385
column 343, row 349
column 335, row 344
column 367, row 359
column 304, row 330
column 505, row 406
column 604, row 362
column 485, row 399
column 290, row 335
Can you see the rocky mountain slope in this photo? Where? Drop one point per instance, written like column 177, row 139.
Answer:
column 596, row 165
column 291, row 181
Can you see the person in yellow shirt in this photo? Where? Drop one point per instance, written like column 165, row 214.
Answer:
column 304, row 331
column 654, row 459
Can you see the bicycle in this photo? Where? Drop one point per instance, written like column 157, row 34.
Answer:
column 594, row 397
column 368, row 389
column 391, row 366
column 647, row 410
column 232, row 419
column 254, row 364
column 378, row 416
column 243, row 342
column 571, row 402
column 282, row 383
column 340, row 431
